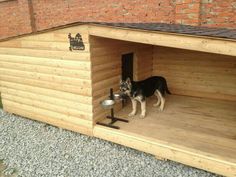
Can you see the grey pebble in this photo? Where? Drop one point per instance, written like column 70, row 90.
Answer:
column 36, row 149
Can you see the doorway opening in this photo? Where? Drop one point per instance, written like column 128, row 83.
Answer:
column 127, row 66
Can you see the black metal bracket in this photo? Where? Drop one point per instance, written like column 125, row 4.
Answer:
column 76, row 43
column 112, row 117
column 108, row 125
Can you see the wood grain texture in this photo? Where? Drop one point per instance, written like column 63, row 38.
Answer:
column 49, row 85
column 203, row 44
column 196, row 73
column 106, row 57
column 106, row 71
column 47, row 92
column 42, row 80
column 54, row 40
column 48, row 102
column 80, row 65
column 56, row 115
column 143, row 63
column 195, row 131
column 59, row 55
column 40, row 115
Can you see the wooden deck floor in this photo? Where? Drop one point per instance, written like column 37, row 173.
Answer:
column 195, row 131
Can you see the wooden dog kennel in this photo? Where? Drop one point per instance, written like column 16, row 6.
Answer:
column 41, row 79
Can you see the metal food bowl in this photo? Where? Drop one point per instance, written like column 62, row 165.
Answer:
column 117, row 96
column 107, row 104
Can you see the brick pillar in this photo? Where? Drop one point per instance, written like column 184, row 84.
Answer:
column 187, row 12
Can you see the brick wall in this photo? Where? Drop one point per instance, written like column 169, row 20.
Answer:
column 218, row 13
column 14, row 18
column 187, row 12
column 23, row 16
column 56, row 12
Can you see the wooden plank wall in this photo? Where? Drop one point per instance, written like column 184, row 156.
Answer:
column 106, row 67
column 196, row 73
column 143, row 63
column 41, row 79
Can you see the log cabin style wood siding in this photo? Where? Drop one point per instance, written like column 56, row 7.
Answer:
column 197, row 74
column 106, row 57
column 41, row 79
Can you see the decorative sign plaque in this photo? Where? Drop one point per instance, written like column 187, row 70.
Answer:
column 76, row 43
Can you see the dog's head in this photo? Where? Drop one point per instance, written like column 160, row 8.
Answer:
column 125, row 86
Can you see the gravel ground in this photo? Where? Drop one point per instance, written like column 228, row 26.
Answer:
column 34, row 149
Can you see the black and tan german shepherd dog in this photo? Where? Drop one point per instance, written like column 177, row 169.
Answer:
column 140, row 90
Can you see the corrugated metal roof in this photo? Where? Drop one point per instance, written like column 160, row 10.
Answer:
column 175, row 28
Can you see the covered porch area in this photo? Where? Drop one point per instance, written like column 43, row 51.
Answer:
column 198, row 132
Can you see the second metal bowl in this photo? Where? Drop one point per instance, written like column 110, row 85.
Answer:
column 117, row 96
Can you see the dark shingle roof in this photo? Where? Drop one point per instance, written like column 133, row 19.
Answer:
column 175, row 28
column 162, row 27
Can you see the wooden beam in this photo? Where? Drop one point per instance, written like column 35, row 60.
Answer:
column 39, row 116
column 65, row 111
column 47, row 92
column 78, row 109
column 47, row 85
column 69, row 64
column 47, row 113
column 59, row 55
column 198, row 43
column 46, row 77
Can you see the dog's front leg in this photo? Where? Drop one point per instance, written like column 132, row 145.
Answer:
column 134, row 107
column 143, row 109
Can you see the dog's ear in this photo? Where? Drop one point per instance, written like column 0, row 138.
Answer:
column 128, row 80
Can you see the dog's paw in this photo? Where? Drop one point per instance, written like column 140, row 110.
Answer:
column 132, row 114
column 160, row 109
column 142, row 116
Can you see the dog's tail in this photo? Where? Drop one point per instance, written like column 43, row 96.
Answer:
column 167, row 90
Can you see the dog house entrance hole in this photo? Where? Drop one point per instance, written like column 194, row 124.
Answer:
column 127, row 66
